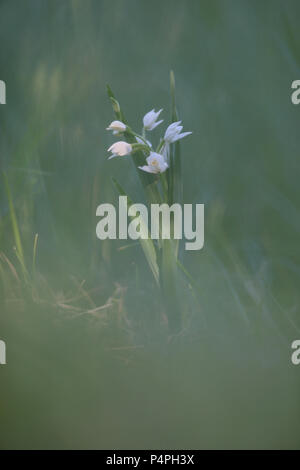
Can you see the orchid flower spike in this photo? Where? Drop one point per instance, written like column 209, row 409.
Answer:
column 173, row 133
column 116, row 127
column 156, row 163
column 150, row 118
column 120, row 149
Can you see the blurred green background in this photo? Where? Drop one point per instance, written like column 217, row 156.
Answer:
column 89, row 361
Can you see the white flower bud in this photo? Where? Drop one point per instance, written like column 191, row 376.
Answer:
column 173, row 133
column 150, row 118
column 116, row 126
column 120, row 149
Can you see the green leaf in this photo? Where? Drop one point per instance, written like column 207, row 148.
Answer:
column 175, row 187
column 175, row 176
column 115, row 105
column 174, row 115
column 169, row 278
column 146, row 244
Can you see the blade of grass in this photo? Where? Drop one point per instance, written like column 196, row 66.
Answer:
column 175, row 187
column 169, row 287
column 175, row 193
column 15, row 228
column 190, row 279
column 34, row 254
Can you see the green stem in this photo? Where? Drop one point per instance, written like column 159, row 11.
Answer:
column 160, row 146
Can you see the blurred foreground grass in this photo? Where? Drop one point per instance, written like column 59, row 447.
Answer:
column 89, row 360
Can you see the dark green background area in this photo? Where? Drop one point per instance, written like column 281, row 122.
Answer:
column 78, row 380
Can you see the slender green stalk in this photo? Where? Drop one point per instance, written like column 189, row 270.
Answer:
column 34, row 254
column 168, row 276
column 146, row 243
column 137, row 157
column 15, row 228
column 169, row 251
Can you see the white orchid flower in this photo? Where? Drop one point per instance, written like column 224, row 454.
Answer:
column 150, row 118
column 173, row 133
column 120, row 149
column 116, row 127
column 142, row 142
column 156, row 163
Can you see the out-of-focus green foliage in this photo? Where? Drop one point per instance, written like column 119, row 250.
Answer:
column 88, row 359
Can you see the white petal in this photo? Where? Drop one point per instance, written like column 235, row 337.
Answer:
column 164, row 166
column 155, row 125
column 181, row 136
column 116, row 126
column 148, row 169
column 120, row 148
column 157, row 156
column 173, row 125
column 149, row 120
